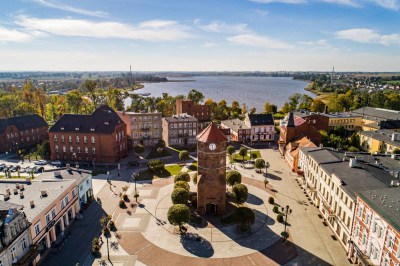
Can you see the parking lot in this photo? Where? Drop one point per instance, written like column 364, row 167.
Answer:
column 23, row 168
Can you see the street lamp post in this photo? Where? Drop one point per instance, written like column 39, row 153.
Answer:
column 288, row 211
column 108, row 176
column 134, row 176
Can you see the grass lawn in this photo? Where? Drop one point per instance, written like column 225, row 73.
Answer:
column 193, row 166
column 189, row 149
column 154, row 154
column 237, row 158
column 170, row 170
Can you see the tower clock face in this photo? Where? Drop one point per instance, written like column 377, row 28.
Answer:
column 212, row 146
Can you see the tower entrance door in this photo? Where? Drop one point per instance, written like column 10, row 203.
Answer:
column 211, row 208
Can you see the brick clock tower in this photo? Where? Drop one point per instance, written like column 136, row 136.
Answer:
column 211, row 180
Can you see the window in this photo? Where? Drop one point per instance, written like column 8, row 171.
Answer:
column 84, row 139
column 48, row 219
column 14, row 251
column 64, row 149
column 357, row 230
column 71, row 149
column 94, row 150
column 364, row 239
column 78, row 149
column 390, row 242
column 93, row 140
column 77, row 139
column 360, row 211
column 62, row 138
column 55, row 138
column 73, row 193
column 24, row 244
column 53, row 213
column 37, row 228
column 56, row 148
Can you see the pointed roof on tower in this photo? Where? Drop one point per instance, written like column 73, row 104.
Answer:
column 290, row 122
column 211, row 134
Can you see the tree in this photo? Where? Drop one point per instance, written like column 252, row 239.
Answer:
column 253, row 155
column 74, row 101
column 182, row 176
column 184, row 156
column 178, row 214
column 180, row 196
column 244, row 217
column 182, row 184
column 285, row 108
column 396, row 151
column 230, row 150
column 279, row 218
column 294, row 101
column 305, row 102
column 259, row 164
column 233, row 177
column 196, row 96
column 241, row 192
column 90, row 87
column 243, row 152
column 156, row 166
column 318, row 106
column 270, row 108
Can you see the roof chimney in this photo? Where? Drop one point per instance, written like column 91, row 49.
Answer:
column 326, row 109
column 21, row 195
column 43, row 193
column 32, row 203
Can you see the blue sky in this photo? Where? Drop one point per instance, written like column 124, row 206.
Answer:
column 204, row 35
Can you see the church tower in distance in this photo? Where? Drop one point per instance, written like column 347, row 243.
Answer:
column 211, row 179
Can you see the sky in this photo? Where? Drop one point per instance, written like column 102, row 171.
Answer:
column 200, row 35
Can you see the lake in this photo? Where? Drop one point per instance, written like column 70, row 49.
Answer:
column 253, row 91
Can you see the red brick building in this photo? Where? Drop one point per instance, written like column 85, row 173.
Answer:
column 201, row 111
column 302, row 126
column 99, row 137
column 22, row 132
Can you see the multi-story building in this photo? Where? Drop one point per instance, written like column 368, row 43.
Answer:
column 380, row 141
column 239, row 131
column 378, row 118
column 83, row 181
column 144, row 128
column 180, row 130
column 375, row 236
column 21, row 132
column 332, row 180
column 349, row 121
column 307, row 125
column 50, row 208
column 201, row 111
column 99, row 137
column 262, row 127
column 15, row 244
column 292, row 152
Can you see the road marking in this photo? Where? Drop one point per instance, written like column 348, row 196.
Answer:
column 143, row 248
column 250, row 260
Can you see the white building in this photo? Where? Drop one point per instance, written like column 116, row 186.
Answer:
column 262, row 126
column 332, row 180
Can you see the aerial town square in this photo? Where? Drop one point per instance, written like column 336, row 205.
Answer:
column 164, row 133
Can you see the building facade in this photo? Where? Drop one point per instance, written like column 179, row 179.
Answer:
column 49, row 206
column 239, row 131
column 376, row 230
column 144, row 128
column 16, row 243
column 99, row 137
column 211, row 185
column 332, row 180
column 380, row 141
column 179, row 130
column 22, row 132
column 349, row 121
column 262, row 127
column 202, row 112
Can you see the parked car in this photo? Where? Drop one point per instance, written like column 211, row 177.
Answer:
column 57, row 163
column 41, row 162
column 38, row 169
column 133, row 163
column 2, row 166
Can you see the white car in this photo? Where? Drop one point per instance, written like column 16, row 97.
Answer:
column 56, row 163
column 41, row 162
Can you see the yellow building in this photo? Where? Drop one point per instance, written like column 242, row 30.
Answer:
column 378, row 118
column 380, row 141
column 348, row 120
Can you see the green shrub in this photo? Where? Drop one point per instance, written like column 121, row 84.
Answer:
column 275, row 209
column 195, row 178
column 241, row 192
column 271, row 200
column 156, row 166
column 122, row 204
column 279, row 218
column 180, row 196
column 233, row 177
column 182, row 184
column 182, row 176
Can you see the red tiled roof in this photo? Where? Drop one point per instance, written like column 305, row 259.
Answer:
column 298, row 121
column 211, row 134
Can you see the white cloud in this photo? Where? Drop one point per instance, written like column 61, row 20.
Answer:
column 57, row 5
column 364, row 35
column 259, row 41
column 210, row 44
column 352, row 3
column 13, row 35
column 221, row 27
column 389, row 4
column 261, row 12
column 155, row 30
column 320, row 44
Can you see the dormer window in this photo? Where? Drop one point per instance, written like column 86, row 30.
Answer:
column 62, row 128
column 106, row 123
column 92, row 129
column 77, row 128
